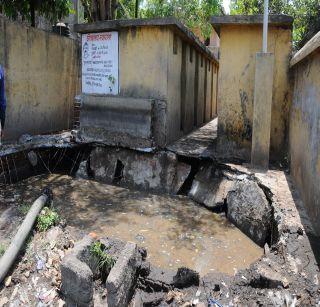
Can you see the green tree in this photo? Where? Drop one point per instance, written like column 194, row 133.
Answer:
column 53, row 10
column 193, row 13
column 306, row 14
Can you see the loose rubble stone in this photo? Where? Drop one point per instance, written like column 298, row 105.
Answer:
column 249, row 210
column 122, row 277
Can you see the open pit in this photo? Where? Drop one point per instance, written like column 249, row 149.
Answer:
column 241, row 236
column 176, row 231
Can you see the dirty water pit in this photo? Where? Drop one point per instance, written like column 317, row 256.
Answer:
column 175, row 230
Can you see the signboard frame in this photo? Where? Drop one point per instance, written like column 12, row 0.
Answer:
column 100, row 63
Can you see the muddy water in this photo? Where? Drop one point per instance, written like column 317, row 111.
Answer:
column 175, row 230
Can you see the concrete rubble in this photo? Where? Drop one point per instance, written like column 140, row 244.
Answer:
column 249, row 210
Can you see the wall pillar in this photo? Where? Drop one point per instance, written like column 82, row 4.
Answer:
column 262, row 110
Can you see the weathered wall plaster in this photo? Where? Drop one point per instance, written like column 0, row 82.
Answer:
column 239, row 45
column 304, row 134
column 42, row 79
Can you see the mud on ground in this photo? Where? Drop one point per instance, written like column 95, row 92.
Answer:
column 287, row 274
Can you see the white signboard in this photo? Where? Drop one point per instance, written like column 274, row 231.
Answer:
column 100, row 63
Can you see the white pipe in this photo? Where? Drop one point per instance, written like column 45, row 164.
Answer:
column 7, row 260
column 265, row 27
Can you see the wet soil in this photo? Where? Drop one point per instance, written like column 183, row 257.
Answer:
column 175, row 230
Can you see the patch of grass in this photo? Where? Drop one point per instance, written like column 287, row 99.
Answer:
column 24, row 208
column 46, row 219
column 2, row 250
column 105, row 261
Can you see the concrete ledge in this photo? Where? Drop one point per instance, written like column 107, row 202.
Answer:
column 311, row 46
column 171, row 22
column 274, row 20
column 117, row 114
column 123, row 121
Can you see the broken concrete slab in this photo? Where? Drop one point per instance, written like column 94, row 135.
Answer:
column 249, row 210
column 122, row 276
column 157, row 172
column 209, row 187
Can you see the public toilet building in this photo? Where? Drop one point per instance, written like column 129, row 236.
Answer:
column 145, row 82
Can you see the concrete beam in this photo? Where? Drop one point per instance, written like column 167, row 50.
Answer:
column 251, row 20
column 262, row 110
column 311, row 46
column 175, row 25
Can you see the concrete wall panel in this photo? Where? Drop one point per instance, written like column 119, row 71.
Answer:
column 143, row 62
column 42, row 78
column 304, row 134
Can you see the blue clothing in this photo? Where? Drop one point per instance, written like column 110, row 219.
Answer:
column 3, row 102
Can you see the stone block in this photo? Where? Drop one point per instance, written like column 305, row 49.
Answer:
column 122, row 277
column 76, row 281
column 77, row 273
column 209, row 188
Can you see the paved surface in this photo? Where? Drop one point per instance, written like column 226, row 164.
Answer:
column 200, row 143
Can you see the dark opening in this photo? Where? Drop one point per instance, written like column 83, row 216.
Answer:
column 118, row 173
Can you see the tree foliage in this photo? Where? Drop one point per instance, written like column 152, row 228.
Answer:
column 53, row 10
column 193, row 13
column 306, row 15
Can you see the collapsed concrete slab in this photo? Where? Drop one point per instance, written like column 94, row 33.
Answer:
column 209, row 187
column 249, row 210
column 157, row 172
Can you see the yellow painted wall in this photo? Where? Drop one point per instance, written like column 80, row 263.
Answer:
column 304, row 134
column 42, row 79
column 143, row 62
column 155, row 62
column 238, row 47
